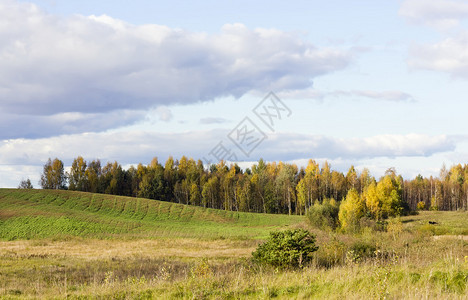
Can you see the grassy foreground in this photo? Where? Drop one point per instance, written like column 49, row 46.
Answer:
column 60, row 244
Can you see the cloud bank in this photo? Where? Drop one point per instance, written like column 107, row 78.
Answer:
column 441, row 14
column 448, row 56
column 140, row 146
column 90, row 65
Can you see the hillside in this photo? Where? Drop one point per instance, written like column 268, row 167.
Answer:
column 29, row 214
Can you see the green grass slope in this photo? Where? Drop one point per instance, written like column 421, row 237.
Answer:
column 446, row 222
column 30, row 214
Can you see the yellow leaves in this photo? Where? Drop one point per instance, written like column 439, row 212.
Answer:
column 383, row 199
column 351, row 211
column 154, row 163
column 301, row 194
column 372, row 200
column 312, row 168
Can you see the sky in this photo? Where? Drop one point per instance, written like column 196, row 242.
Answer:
column 370, row 83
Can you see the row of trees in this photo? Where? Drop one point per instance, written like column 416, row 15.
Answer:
column 265, row 187
column 447, row 192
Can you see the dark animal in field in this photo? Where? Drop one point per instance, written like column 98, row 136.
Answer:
column 433, row 223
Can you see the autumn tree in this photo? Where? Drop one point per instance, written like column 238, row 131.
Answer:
column 93, row 177
column 365, row 179
column 77, row 176
column 210, row 193
column 53, row 175
column 262, row 186
column 266, row 187
column 170, row 177
column 244, row 193
column 339, row 185
column 25, row 184
column 351, row 211
column 373, row 202
column 325, row 181
column 286, row 185
column 195, row 196
column 389, row 195
column 352, row 181
column 308, row 186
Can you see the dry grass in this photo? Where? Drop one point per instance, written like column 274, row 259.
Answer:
column 411, row 266
column 91, row 249
column 450, row 237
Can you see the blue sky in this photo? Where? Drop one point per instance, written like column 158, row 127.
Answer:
column 375, row 84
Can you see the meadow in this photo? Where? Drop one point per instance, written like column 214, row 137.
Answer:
column 62, row 244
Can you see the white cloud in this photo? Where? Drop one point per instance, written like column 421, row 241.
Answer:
column 164, row 113
column 394, row 96
column 279, row 146
column 28, row 155
column 53, row 65
column 212, row 120
column 294, row 146
column 441, row 14
column 391, row 95
column 449, row 55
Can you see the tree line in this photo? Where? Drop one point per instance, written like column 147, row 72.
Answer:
column 266, row 187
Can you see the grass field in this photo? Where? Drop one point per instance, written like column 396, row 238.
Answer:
column 61, row 244
column 60, row 214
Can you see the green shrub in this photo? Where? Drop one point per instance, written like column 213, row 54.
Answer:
column 361, row 250
column 325, row 215
column 364, row 249
column 290, row 248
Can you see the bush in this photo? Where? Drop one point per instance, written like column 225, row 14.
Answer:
column 290, row 248
column 421, row 205
column 324, row 216
column 361, row 250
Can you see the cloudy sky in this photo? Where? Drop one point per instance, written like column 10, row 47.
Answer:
column 374, row 83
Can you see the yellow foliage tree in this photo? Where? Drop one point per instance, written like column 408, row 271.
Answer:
column 351, row 211
column 373, row 203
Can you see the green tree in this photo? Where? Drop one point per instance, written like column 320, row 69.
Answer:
column 152, row 185
column 113, row 180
